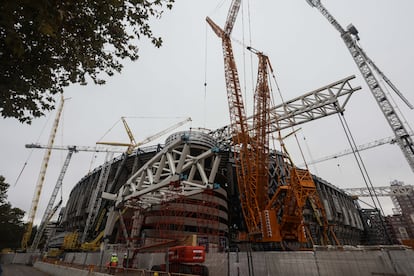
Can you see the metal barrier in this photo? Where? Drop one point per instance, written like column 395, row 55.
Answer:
column 118, row 270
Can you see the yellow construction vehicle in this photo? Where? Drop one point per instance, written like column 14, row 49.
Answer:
column 93, row 245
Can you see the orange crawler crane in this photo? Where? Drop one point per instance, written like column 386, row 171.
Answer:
column 278, row 218
column 244, row 154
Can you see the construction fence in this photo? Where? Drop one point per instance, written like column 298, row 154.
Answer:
column 320, row 262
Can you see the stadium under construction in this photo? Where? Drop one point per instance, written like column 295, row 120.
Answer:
column 214, row 215
column 226, row 191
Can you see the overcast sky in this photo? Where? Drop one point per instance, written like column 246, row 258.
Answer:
column 166, row 85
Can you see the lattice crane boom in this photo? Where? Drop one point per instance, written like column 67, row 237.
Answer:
column 238, row 124
column 133, row 144
column 130, row 136
column 251, row 150
column 325, row 101
column 231, row 16
column 261, row 126
column 381, row 191
column 49, row 208
column 41, row 178
column 370, row 145
column 76, row 148
column 49, row 211
column 350, row 37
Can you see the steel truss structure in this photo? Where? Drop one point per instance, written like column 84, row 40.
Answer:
column 313, row 105
column 184, row 167
column 381, row 191
column 367, row 68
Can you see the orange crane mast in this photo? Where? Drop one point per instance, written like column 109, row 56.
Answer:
column 244, row 156
column 261, row 127
column 281, row 217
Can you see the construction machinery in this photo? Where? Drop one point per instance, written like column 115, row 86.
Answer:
column 93, row 245
column 76, row 148
column 133, row 144
column 391, row 191
column 384, row 141
column 38, row 190
column 238, row 123
column 367, row 68
column 278, row 218
column 50, row 210
column 96, row 199
column 185, row 259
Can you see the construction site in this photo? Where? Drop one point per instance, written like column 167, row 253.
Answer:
column 226, row 201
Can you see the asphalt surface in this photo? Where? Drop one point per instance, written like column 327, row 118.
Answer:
column 21, row 270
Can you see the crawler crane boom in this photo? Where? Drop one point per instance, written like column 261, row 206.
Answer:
column 366, row 66
column 244, row 157
column 261, row 126
column 251, row 150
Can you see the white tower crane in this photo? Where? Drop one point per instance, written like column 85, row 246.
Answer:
column 95, row 200
column 367, row 66
column 49, row 209
column 373, row 144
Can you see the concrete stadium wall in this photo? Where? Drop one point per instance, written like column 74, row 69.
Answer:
column 64, row 270
column 19, row 258
column 315, row 263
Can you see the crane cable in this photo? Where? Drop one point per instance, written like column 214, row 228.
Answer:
column 31, row 151
column 109, row 129
column 205, row 74
column 360, row 163
column 363, row 170
column 292, row 127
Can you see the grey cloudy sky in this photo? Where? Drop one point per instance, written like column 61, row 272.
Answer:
column 306, row 53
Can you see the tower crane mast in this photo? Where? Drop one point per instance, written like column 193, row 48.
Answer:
column 365, row 65
column 49, row 209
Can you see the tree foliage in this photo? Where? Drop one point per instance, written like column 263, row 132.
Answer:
column 47, row 44
column 11, row 220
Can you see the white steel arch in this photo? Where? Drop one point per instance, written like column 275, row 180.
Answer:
column 184, row 167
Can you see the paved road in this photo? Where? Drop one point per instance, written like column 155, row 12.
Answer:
column 21, row 270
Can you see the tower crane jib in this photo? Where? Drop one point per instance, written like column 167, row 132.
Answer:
column 133, row 144
column 367, row 68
